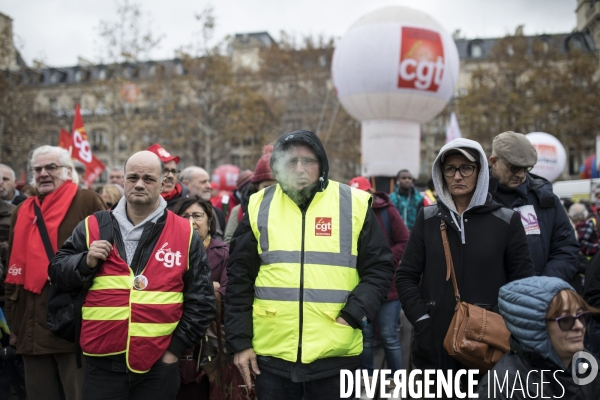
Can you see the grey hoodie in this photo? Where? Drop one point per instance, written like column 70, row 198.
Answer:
column 132, row 233
column 481, row 190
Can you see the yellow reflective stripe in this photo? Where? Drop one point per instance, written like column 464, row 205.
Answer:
column 144, row 297
column 87, row 233
column 105, row 313
column 103, row 354
column 112, row 282
column 150, row 329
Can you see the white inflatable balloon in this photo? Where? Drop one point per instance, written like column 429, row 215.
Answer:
column 552, row 156
column 394, row 69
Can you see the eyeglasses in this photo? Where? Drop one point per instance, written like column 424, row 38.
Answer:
column 567, row 322
column 514, row 169
column 173, row 171
column 50, row 168
column 307, row 162
column 197, row 216
column 465, row 170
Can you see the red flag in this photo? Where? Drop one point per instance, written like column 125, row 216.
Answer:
column 82, row 150
column 93, row 170
column 65, row 140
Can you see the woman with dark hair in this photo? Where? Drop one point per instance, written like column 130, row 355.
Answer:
column 225, row 378
column 203, row 218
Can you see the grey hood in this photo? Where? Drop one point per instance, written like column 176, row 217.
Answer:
column 481, row 190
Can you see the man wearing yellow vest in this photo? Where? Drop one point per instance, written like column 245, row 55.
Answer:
column 150, row 296
column 308, row 268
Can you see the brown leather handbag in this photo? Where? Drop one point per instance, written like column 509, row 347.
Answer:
column 476, row 337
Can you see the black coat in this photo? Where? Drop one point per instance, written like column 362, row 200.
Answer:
column 495, row 252
column 554, row 250
column 558, row 382
column 69, row 271
column 375, row 266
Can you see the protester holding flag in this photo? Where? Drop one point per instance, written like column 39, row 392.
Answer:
column 61, row 205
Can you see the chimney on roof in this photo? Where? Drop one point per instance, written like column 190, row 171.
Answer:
column 82, row 62
column 456, row 34
column 519, row 30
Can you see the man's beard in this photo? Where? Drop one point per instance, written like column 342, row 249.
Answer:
column 300, row 197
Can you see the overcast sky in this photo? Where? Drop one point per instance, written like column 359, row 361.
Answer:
column 57, row 31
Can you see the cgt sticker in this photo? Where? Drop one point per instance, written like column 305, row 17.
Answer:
column 323, row 226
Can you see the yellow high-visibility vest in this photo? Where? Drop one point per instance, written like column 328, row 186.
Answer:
column 307, row 270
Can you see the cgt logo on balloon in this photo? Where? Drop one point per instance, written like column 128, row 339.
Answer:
column 421, row 59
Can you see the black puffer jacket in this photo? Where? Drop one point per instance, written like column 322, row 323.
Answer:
column 69, row 271
column 554, row 250
column 375, row 265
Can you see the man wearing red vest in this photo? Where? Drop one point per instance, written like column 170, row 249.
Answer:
column 150, row 296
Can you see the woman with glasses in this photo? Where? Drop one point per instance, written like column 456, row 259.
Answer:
column 203, row 218
column 547, row 320
column 201, row 213
column 488, row 247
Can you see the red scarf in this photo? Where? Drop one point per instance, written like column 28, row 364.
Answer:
column 28, row 264
column 173, row 193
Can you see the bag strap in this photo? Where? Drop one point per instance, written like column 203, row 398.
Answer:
column 449, row 263
column 39, row 220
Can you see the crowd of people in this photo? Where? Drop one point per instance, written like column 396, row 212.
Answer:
column 269, row 291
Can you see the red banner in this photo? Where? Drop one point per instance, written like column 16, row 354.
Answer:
column 80, row 149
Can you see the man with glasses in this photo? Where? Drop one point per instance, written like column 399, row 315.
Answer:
column 308, row 269
column 39, row 226
column 173, row 190
column 550, row 235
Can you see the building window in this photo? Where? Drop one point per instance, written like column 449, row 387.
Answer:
column 53, row 103
column 57, row 77
column 99, row 141
column 179, row 70
column 102, row 75
column 52, row 138
column 476, row 49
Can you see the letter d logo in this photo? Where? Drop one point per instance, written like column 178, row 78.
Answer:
column 581, row 367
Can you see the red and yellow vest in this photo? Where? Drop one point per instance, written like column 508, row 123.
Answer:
column 117, row 318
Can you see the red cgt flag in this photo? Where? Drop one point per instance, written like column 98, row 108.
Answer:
column 64, row 140
column 80, row 149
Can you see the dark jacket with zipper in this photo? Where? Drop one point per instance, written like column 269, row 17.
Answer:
column 488, row 249
column 69, row 271
column 495, row 253
column 554, row 250
column 375, row 267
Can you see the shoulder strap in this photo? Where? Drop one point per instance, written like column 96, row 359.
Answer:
column 385, row 217
column 39, row 220
column 449, row 263
column 105, row 223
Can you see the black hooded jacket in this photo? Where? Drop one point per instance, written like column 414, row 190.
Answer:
column 375, row 267
column 553, row 250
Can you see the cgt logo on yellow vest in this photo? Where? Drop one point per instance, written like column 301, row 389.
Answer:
column 322, row 226
column 167, row 257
